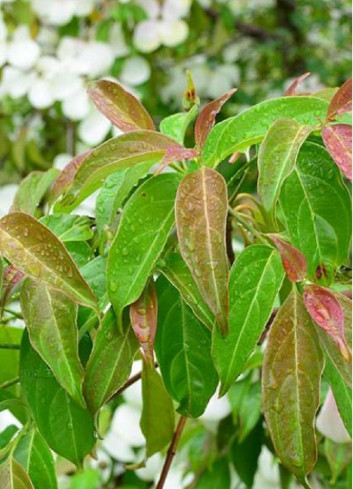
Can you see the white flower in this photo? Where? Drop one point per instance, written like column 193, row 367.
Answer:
column 151, row 7
column 7, row 194
column 147, row 36
column 329, row 421
column 175, row 9
column 117, row 41
column 60, row 12
column 94, row 128
column 173, row 33
column 40, row 94
column 22, row 52
column 76, row 106
column 267, row 476
column 61, row 160
column 14, row 82
column 135, row 71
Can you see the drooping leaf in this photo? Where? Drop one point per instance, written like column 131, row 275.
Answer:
column 338, row 142
column 121, row 107
column 183, row 349
column 327, row 312
column 69, row 227
column 277, row 157
column 116, row 154
column 254, row 283
column 291, row 386
column 293, row 261
column 316, row 207
column 34, row 249
column 50, row 318
column 291, row 90
column 201, row 214
column 176, row 271
column 342, row 101
column 143, row 231
column 143, row 317
column 176, row 125
column 109, row 365
column 248, row 128
column 66, row 427
column 245, row 455
column 207, row 117
column 32, row 190
column 13, row 476
column 33, row 453
column 157, row 418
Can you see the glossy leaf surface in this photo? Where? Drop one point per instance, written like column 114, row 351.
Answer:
column 338, row 142
column 32, row 190
column 69, row 227
column 143, row 231
column 50, row 318
column 254, row 283
column 13, row 476
column 342, row 101
column 294, row 262
column 176, row 125
column 32, row 247
column 183, row 349
column 201, row 214
column 291, row 385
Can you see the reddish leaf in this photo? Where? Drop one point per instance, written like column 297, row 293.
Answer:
column 120, row 106
column 342, row 101
column 338, row 142
column 12, row 277
column 175, row 153
column 143, row 316
column 294, row 262
column 207, row 117
column 327, row 312
column 190, row 97
column 292, row 89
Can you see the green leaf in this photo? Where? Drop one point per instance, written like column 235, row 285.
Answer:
column 339, row 456
column 69, row 227
column 89, row 479
column 291, row 376
column 33, row 453
column 249, row 127
column 254, row 283
column 32, row 247
column 50, row 318
column 176, row 271
column 143, row 231
column 65, row 426
column 218, row 475
column 245, row 455
column 80, row 252
column 183, row 349
column 316, row 207
column 109, row 365
column 277, row 156
column 157, row 419
column 175, row 125
column 32, row 190
column 13, row 476
column 201, row 215
column 95, row 273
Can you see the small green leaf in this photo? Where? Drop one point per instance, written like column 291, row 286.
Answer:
column 69, row 227
column 339, row 456
column 201, row 214
column 143, row 231
column 291, row 376
column 32, row 247
column 50, row 318
column 175, row 125
column 157, row 419
column 254, row 283
column 13, row 476
column 183, row 349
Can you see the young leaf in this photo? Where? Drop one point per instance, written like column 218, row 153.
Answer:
column 143, row 231
column 109, row 365
column 254, row 283
column 183, row 349
column 277, row 157
column 157, row 419
column 65, row 426
column 69, row 227
column 13, row 476
column 176, row 271
column 32, row 247
column 317, row 211
column 121, row 107
column 207, row 117
column 143, row 317
column 327, row 312
column 294, row 262
column 175, row 125
column 338, row 142
column 201, row 214
column 249, row 127
column 173, row 154
column 33, row 453
column 50, row 318
column 291, row 90
column 342, row 101
column 291, row 386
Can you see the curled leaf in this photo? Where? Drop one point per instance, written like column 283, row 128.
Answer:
column 327, row 312
column 338, row 142
column 293, row 261
column 342, row 101
column 175, row 153
column 291, row 90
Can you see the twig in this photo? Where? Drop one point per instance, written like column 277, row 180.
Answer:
column 129, row 382
column 171, row 452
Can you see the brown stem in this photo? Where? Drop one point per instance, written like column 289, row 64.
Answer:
column 129, row 382
column 171, row 452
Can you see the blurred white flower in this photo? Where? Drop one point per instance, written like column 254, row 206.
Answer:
column 147, row 37
column 93, row 128
column 7, row 419
column 60, row 12
column 173, row 33
column 7, row 194
column 217, row 408
column 153, row 467
column 267, row 476
column 117, row 41
column 61, row 160
column 329, row 421
column 23, row 51
column 135, row 71
column 15, row 82
column 175, row 9
column 77, row 105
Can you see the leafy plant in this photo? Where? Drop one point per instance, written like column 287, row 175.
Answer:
column 187, row 267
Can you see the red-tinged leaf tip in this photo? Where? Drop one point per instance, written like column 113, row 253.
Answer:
column 294, row 262
column 173, row 154
column 338, row 142
column 291, row 90
column 341, row 102
column 207, row 117
column 327, row 312
column 190, row 97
